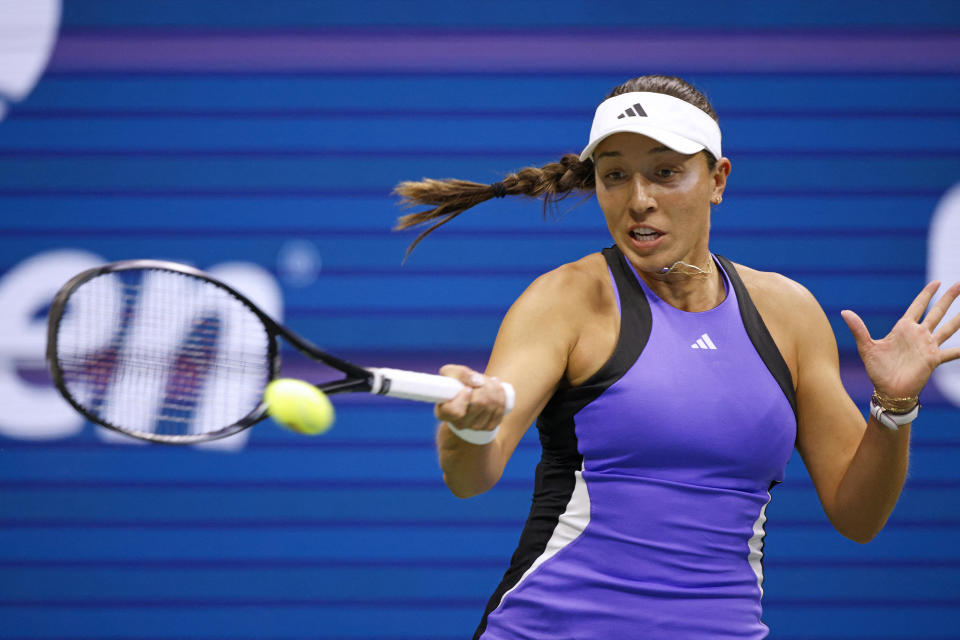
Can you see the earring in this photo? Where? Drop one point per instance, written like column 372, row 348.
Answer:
column 717, row 200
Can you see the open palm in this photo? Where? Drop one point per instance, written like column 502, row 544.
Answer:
column 900, row 364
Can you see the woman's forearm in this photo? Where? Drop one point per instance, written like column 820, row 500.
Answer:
column 468, row 469
column 869, row 489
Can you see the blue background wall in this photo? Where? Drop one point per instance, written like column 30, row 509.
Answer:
column 272, row 134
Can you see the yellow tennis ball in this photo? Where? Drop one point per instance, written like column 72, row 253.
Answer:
column 299, row 406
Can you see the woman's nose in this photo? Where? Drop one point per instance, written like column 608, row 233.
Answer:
column 641, row 197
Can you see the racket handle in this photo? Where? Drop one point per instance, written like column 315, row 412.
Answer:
column 424, row 387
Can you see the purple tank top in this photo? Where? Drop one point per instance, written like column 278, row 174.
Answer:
column 648, row 510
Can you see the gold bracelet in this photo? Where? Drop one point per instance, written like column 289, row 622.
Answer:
column 895, row 405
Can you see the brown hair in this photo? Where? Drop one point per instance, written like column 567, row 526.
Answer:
column 553, row 181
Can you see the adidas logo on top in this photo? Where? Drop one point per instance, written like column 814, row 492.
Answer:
column 633, row 112
column 703, row 342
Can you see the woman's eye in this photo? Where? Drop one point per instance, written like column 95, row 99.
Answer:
column 666, row 173
column 614, row 175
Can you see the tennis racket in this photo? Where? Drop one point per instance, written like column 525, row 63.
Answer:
column 164, row 352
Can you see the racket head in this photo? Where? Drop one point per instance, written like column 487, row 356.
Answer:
column 161, row 351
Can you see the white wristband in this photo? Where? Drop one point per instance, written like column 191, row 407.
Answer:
column 474, row 436
column 893, row 420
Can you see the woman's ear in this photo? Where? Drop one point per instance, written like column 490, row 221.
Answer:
column 720, row 172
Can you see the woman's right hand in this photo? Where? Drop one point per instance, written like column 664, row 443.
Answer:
column 532, row 349
column 480, row 406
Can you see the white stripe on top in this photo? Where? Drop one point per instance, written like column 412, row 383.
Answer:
column 570, row 525
column 755, row 544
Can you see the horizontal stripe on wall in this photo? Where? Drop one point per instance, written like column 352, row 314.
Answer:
column 542, row 252
column 507, row 51
column 533, row 114
column 253, row 620
column 511, row 139
column 795, row 504
column 371, row 544
column 241, row 564
column 529, row 254
column 808, row 212
column 468, row 329
column 570, row 95
column 853, row 14
column 186, row 527
column 797, row 481
column 316, row 465
column 114, row 586
column 885, row 174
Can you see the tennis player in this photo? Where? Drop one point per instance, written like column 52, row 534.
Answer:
column 669, row 386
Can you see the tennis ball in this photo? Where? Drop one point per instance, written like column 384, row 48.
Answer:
column 299, row 406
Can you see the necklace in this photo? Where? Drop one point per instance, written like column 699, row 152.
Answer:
column 685, row 269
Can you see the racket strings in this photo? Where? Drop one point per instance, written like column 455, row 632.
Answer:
column 163, row 354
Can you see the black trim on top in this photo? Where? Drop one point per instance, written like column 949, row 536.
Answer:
column 552, row 490
column 760, row 336
column 561, row 458
column 635, row 325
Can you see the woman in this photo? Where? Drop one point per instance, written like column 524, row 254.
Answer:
column 669, row 387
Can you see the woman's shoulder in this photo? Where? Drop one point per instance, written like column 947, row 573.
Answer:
column 587, row 268
column 573, row 309
column 790, row 310
column 585, row 276
column 572, row 289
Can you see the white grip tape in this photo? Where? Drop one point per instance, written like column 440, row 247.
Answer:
column 424, row 387
column 474, row 436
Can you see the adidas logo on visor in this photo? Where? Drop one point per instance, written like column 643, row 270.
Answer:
column 633, row 112
column 703, row 342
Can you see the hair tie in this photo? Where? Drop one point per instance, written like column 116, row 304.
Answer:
column 499, row 189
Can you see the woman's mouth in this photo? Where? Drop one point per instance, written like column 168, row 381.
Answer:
column 645, row 235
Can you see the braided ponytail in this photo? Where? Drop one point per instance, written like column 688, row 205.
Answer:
column 553, row 182
column 449, row 198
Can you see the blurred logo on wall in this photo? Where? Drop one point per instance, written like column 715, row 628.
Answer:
column 33, row 409
column 943, row 264
column 28, row 31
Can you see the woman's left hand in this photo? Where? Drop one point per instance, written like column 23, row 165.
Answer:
column 900, row 364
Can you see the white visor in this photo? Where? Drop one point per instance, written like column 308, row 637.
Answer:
column 671, row 121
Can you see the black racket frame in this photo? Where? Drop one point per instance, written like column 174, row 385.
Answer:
column 356, row 379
